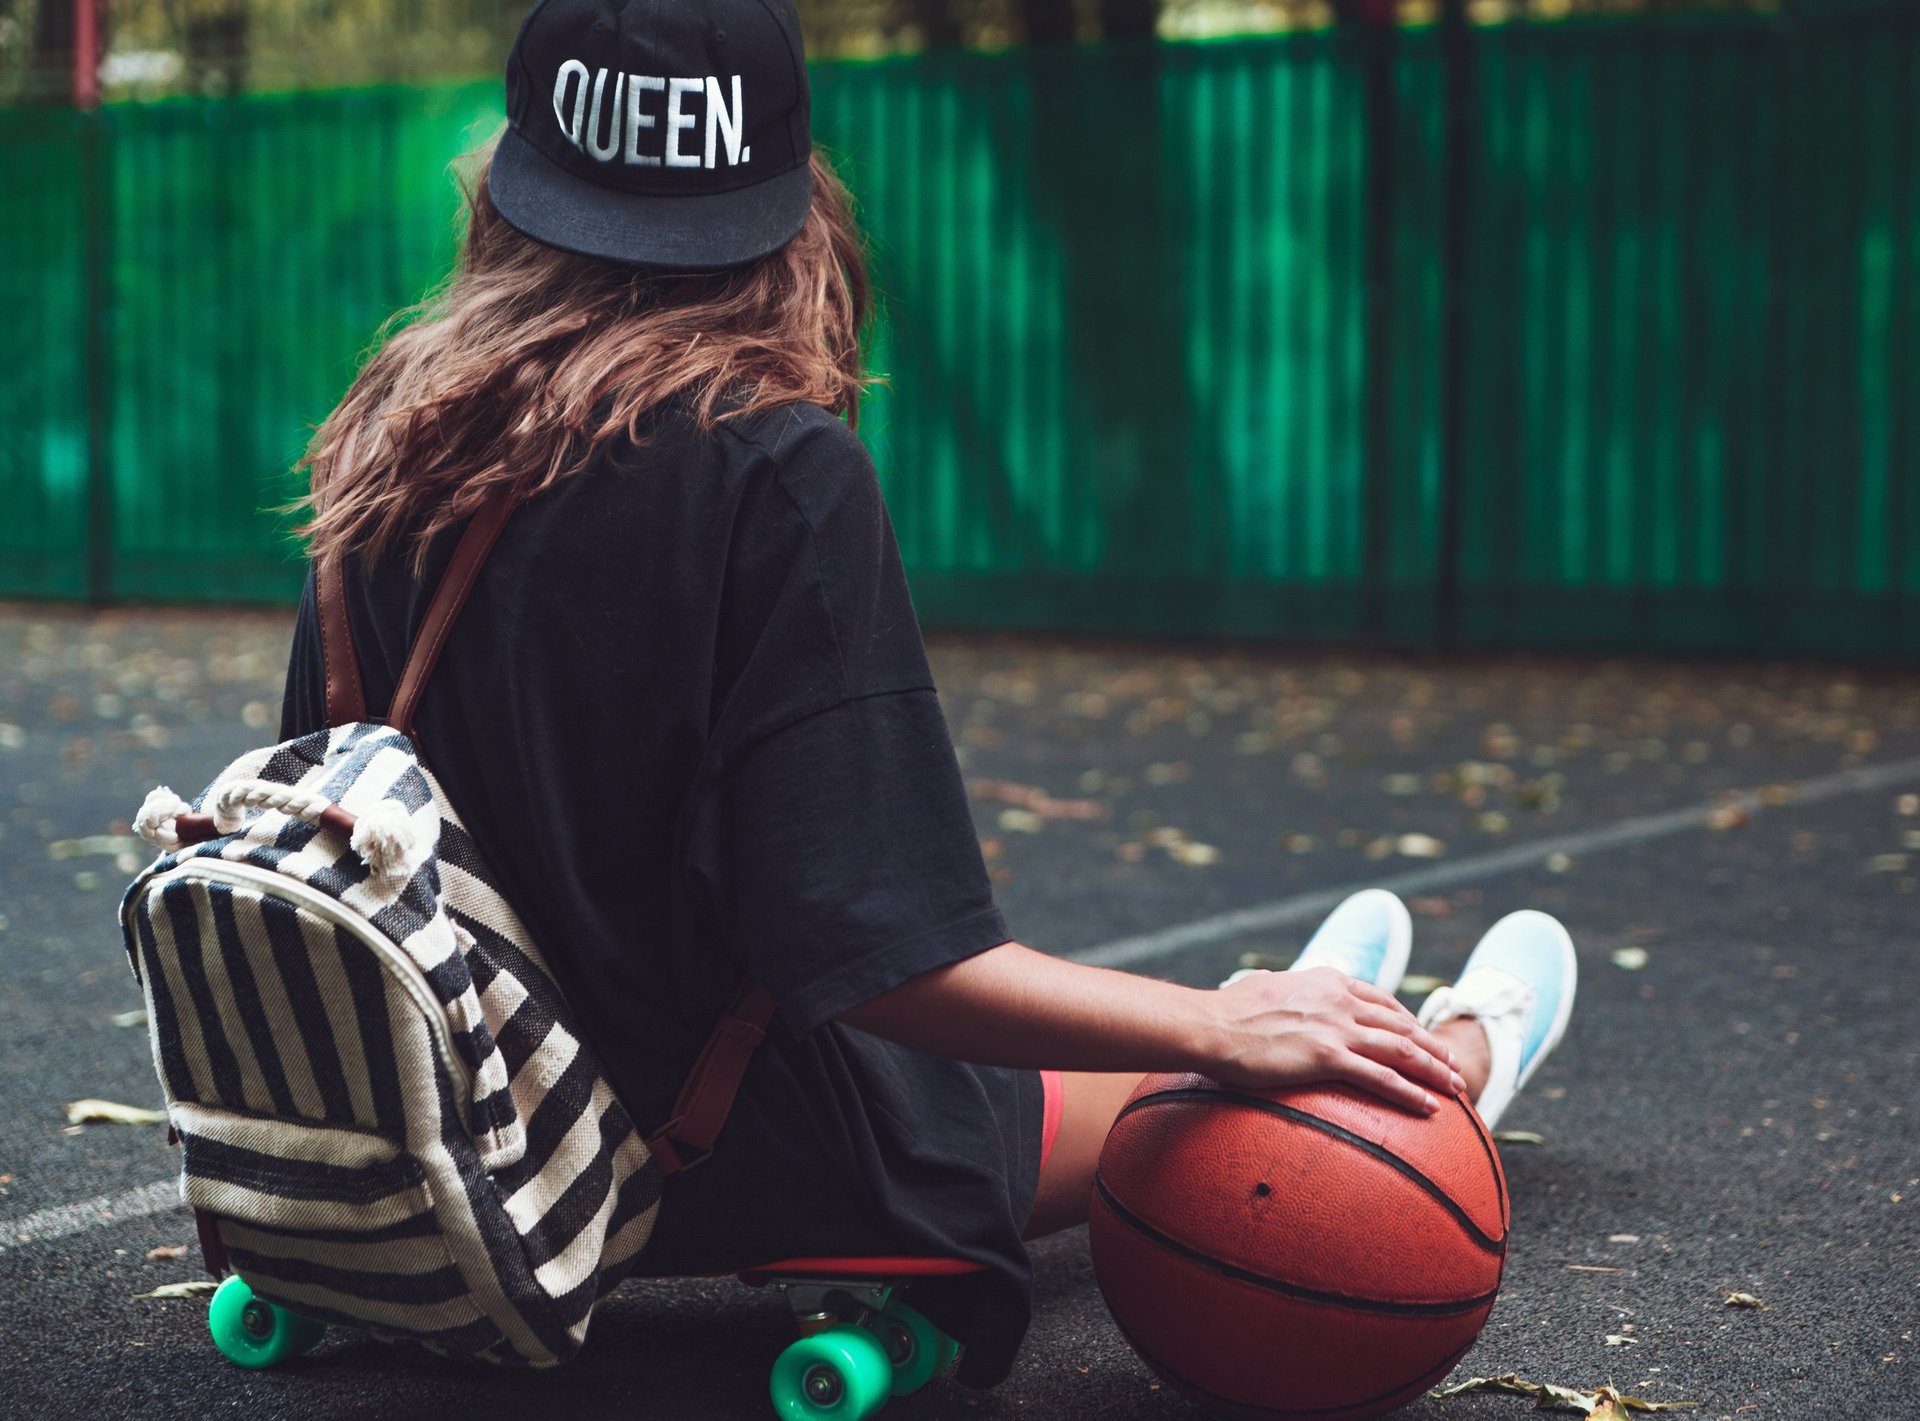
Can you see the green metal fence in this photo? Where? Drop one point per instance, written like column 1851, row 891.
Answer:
column 1243, row 337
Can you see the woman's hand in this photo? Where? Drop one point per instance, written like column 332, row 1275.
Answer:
column 1289, row 1028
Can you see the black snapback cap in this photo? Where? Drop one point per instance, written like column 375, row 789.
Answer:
column 663, row 133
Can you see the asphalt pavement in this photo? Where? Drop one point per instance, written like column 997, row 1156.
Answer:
column 1734, row 1108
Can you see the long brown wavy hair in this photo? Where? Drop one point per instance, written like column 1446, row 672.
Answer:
column 527, row 358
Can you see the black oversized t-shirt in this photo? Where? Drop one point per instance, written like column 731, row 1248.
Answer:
column 687, row 714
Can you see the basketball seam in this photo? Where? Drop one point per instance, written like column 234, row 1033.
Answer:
column 1486, row 1148
column 1277, row 1285
column 1487, row 1244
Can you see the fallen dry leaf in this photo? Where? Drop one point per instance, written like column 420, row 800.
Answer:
column 1620, row 1339
column 1631, row 959
column 110, row 1112
column 1559, row 863
column 1509, row 1382
column 1604, row 1403
column 130, row 1018
column 1727, row 816
column 197, row 1288
column 1418, row 984
column 1554, row 1397
column 1745, row 1300
column 1498, row 742
column 127, row 852
column 1592, row 1268
column 1420, row 846
column 166, row 1252
column 1622, row 1403
column 1480, row 774
column 1036, row 800
column 1908, row 805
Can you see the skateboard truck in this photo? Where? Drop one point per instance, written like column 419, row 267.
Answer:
column 859, row 1342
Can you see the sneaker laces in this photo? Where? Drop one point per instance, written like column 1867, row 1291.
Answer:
column 1501, row 1002
column 1488, row 994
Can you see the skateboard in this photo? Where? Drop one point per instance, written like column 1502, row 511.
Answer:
column 859, row 1342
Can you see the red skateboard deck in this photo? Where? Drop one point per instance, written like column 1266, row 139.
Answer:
column 900, row 1267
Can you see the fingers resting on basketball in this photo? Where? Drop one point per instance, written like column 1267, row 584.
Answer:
column 1289, row 1028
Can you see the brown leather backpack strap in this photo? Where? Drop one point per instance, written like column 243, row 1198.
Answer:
column 707, row 1097
column 346, row 702
column 448, row 598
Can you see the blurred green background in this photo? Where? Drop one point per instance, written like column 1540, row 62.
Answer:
column 1555, row 324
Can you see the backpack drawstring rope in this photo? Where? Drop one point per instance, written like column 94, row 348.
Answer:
column 392, row 842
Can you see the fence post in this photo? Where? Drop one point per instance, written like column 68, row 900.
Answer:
column 1379, row 27
column 96, row 219
column 1456, row 42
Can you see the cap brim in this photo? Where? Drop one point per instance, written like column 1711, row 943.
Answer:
column 695, row 232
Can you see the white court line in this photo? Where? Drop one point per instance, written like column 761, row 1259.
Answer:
column 1308, row 907
column 155, row 1198
column 164, row 1194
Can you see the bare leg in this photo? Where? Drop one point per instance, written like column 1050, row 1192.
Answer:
column 1468, row 1042
column 1089, row 1101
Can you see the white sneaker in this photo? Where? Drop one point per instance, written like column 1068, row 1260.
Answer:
column 1368, row 936
column 1519, row 983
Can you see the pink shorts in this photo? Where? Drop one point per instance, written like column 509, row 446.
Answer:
column 1050, row 1092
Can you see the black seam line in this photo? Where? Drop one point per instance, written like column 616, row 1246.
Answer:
column 1493, row 1160
column 1313, row 1413
column 1497, row 1247
column 1293, row 1290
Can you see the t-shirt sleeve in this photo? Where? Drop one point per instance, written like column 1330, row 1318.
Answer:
column 831, row 842
column 845, row 859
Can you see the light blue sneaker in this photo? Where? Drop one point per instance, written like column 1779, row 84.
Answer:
column 1368, row 936
column 1519, row 982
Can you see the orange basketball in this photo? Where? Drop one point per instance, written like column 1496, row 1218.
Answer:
column 1307, row 1254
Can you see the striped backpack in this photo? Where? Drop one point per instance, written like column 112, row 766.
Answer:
column 389, row 1119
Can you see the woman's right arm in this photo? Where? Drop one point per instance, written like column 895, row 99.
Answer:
column 1012, row 1006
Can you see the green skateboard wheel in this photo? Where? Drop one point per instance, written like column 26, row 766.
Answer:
column 917, row 1349
column 843, row 1373
column 254, row 1332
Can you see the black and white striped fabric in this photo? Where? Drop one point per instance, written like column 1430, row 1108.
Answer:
column 380, row 1090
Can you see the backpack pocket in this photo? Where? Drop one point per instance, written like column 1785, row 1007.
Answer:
column 336, row 1223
